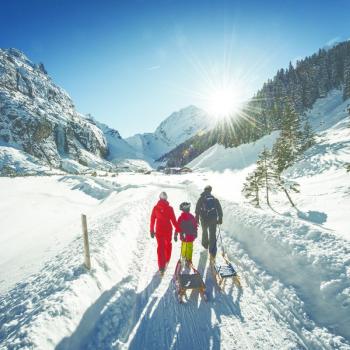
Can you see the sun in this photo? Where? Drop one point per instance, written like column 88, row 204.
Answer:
column 223, row 102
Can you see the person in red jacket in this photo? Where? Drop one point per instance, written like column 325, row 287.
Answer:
column 162, row 220
column 188, row 231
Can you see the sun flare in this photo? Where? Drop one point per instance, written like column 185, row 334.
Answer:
column 223, row 102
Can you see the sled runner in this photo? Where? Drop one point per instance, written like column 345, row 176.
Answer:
column 188, row 278
column 224, row 270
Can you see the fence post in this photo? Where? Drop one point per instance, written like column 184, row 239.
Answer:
column 86, row 242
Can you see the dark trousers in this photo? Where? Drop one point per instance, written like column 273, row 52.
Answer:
column 209, row 236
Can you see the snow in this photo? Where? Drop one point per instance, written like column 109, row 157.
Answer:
column 19, row 162
column 219, row 158
column 118, row 148
column 295, row 277
column 177, row 128
column 294, row 265
column 321, row 173
column 328, row 111
column 39, row 216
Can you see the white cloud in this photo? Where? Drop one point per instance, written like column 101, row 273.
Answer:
column 153, row 68
column 333, row 41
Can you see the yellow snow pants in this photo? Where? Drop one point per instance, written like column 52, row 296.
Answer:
column 187, row 250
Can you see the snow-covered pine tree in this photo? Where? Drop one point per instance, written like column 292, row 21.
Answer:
column 346, row 92
column 323, row 74
column 287, row 147
column 307, row 137
column 251, row 188
column 283, row 156
column 264, row 172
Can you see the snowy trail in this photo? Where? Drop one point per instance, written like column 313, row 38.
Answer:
column 156, row 320
column 264, row 314
column 124, row 304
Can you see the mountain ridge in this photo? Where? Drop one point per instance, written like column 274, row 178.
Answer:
column 173, row 130
column 40, row 126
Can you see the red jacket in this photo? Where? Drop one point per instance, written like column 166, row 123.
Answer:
column 163, row 216
column 190, row 227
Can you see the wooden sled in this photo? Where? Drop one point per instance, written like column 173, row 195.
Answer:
column 222, row 272
column 191, row 280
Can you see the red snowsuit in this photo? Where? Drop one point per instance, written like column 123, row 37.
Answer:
column 163, row 216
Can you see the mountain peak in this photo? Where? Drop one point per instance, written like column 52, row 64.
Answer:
column 173, row 130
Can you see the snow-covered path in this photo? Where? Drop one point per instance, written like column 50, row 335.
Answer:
column 123, row 304
column 156, row 320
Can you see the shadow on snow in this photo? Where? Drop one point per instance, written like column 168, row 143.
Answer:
column 122, row 318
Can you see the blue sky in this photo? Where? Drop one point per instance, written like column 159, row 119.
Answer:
column 131, row 63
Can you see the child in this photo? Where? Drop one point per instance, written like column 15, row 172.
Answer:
column 188, row 226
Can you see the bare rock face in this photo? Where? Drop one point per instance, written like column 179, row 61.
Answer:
column 38, row 117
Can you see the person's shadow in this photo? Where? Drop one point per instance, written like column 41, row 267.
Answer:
column 105, row 321
column 122, row 318
column 170, row 325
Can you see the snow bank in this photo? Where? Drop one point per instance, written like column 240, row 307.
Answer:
column 92, row 186
column 39, row 216
column 43, row 311
column 311, row 260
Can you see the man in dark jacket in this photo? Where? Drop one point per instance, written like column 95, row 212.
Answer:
column 209, row 211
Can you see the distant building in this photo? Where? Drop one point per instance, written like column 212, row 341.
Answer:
column 172, row 171
column 177, row 171
column 185, row 170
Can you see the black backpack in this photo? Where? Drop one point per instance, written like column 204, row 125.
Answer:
column 188, row 227
column 209, row 207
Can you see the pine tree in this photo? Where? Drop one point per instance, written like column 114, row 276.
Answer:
column 291, row 129
column 251, row 188
column 307, row 137
column 286, row 186
column 263, row 171
column 282, row 158
column 346, row 92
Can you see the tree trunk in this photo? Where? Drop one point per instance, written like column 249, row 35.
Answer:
column 257, row 197
column 289, row 198
column 267, row 192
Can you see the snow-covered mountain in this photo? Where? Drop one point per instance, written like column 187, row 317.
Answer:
column 320, row 171
column 39, row 118
column 177, row 128
column 40, row 128
column 117, row 148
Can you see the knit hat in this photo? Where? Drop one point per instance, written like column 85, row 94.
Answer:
column 185, row 206
column 163, row 195
column 208, row 188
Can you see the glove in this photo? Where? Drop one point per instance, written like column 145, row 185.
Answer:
column 182, row 236
column 220, row 221
column 152, row 234
column 175, row 236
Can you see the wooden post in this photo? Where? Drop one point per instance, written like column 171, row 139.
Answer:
column 86, row 242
